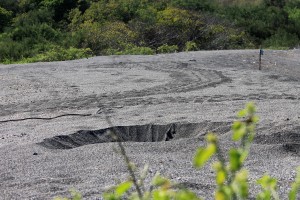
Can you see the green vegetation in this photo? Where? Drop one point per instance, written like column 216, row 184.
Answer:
column 31, row 30
column 231, row 177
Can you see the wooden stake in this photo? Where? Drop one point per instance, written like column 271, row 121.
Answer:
column 261, row 52
column 259, row 61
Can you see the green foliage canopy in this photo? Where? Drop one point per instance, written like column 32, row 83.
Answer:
column 32, row 27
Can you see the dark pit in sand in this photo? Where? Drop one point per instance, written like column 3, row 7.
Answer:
column 136, row 133
column 288, row 139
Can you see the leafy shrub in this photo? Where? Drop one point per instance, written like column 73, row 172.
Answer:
column 5, row 17
column 75, row 196
column 167, row 48
column 175, row 27
column 132, row 50
column 190, row 46
column 282, row 40
column 147, row 15
column 173, row 16
column 37, row 33
column 163, row 189
column 34, row 17
column 294, row 17
column 9, row 50
column 220, row 36
column 102, row 37
column 205, row 5
column 56, row 54
column 231, row 178
column 101, row 11
column 76, row 19
column 121, row 10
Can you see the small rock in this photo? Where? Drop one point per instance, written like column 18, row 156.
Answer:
column 35, row 154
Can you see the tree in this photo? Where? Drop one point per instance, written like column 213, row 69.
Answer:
column 10, row 5
column 5, row 18
column 275, row 3
column 204, row 5
column 59, row 7
column 175, row 27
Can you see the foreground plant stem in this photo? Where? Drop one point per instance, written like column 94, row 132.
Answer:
column 126, row 158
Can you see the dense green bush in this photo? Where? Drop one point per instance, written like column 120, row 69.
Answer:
column 9, row 49
column 5, row 17
column 109, row 26
column 264, row 19
column 203, row 5
column 282, row 40
column 167, row 48
column 101, row 37
column 131, row 50
column 55, row 53
column 58, row 53
column 190, row 46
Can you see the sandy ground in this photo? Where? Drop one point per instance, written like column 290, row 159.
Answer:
column 43, row 100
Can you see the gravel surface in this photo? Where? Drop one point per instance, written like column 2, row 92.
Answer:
column 48, row 109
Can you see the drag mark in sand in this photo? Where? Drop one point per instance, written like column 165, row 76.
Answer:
column 186, row 77
column 136, row 133
column 44, row 118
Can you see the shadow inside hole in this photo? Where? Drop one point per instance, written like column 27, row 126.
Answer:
column 135, row 133
column 288, row 139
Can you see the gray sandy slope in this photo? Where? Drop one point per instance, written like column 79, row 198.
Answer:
column 53, row 119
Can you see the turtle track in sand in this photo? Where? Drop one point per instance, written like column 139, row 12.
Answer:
column 185, row 76
column 137, row 133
